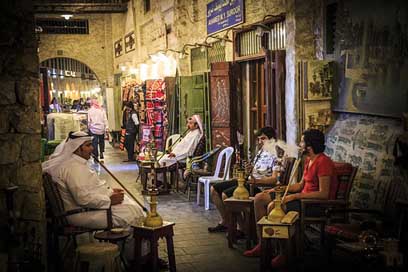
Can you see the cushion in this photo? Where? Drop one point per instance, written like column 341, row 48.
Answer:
column 338, row 186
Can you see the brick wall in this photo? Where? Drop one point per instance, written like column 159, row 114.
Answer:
column 20, row 127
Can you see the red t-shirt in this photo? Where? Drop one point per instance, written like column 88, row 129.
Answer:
column 322, row 166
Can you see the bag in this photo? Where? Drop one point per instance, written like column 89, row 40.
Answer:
column 122, row 139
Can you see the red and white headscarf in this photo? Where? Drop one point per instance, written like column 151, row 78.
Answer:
column 197, row 119
column 95, row 104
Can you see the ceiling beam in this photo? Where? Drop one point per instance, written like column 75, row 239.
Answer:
column 78, row 8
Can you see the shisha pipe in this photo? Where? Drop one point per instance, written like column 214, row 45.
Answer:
column 120, row 183
column 255, row 159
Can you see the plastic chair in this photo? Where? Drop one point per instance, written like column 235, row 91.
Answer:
column 207, row 180
column 171, row 139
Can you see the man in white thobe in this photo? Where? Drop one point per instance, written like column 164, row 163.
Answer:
column 81, row 187
column 187, row 144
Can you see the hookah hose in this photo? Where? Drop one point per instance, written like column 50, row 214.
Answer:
column 120, row 183
column 255, row 160
column 175, row 142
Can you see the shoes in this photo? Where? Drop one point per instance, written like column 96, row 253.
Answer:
column 218, row 228
column 279, row 261
column 255, row 252
column 101, row 156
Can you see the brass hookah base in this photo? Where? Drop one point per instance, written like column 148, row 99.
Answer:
column 241, row 192
column 277, row 212
column 153, row 219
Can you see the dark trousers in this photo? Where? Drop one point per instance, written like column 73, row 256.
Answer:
column 98, row 140
column 130, row 145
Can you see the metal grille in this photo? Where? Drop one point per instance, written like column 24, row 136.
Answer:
column 277, row 36
column 216, row 53
column 67, row 64
column 62, row 26
column 198, row 60
column 249, row 43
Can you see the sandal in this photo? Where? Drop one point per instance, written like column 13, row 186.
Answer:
column 218, row 228
column 254, row 252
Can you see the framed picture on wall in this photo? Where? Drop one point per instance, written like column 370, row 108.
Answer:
column 319, row 78
column 130, row 42
column 118, row 47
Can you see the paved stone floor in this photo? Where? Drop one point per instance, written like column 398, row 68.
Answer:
column 195, row 248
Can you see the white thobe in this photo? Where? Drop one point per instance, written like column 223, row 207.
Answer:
column 81, row 187
column 184, row 148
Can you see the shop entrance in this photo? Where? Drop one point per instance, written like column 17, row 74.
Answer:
column 69, row 82
column 193, row 99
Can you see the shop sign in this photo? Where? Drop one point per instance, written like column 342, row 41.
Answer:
column 70, row 73
column 223, row 14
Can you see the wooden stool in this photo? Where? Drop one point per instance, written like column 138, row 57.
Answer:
column 114, row 238
column 153, row 235
column 280, row 231
column 234, row 208
column 97, row 254
column 144, row 169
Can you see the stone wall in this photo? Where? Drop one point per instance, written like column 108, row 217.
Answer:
column 95, row 50
column 20, row 131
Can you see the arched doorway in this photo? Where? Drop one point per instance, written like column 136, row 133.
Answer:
column 68, row 80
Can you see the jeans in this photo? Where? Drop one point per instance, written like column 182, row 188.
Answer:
column 98, row 140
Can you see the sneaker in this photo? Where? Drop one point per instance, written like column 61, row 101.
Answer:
column 218, row 228
column 254, row 252
column 279, row 261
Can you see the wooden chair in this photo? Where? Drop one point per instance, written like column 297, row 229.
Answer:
column 339, row 196
column 57, row 218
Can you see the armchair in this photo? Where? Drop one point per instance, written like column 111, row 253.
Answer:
column 338, row 198
column 349, row 236
column 57, row 218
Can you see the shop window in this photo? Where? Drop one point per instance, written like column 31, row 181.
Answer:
column 330, row 27
column 62, row 26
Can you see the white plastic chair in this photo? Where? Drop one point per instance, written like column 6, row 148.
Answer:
column 171, row 139
column 208, row 180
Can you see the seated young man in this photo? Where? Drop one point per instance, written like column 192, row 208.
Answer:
column 318, row 173
column 264, row 172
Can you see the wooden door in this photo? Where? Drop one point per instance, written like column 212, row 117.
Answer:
column 225, row 111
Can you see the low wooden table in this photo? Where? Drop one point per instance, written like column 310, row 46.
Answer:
column 280, row 231
column 153, row 235
column 234, row 208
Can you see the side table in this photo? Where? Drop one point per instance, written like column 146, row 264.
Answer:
column 153, row 235
column 234, row 208
column 280, row 231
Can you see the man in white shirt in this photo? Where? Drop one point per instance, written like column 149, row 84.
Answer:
column 187, row 144
column 97, row 125
column 81, row 187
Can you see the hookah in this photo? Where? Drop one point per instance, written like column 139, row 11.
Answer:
column 240, row 192
column 277, row 212
column 153, row 219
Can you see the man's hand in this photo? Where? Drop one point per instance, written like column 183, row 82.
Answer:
column 268, row 191
column 289, row 198
column 172, row 155
column 248, row 167
column 117, row 198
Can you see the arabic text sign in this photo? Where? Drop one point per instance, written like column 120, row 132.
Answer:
column 222, row 14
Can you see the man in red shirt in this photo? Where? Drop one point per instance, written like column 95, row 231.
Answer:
column 318, row 174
